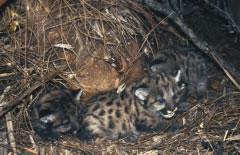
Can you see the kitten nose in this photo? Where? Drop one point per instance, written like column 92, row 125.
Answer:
column 170, row 107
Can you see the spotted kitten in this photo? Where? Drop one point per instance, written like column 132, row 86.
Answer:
column 141, row 107
column 191, row 63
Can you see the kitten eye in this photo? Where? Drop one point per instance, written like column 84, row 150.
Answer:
column 161, row 100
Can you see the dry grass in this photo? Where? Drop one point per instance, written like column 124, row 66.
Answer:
column 65, row 44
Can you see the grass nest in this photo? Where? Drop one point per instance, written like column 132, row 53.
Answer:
column 94, row 45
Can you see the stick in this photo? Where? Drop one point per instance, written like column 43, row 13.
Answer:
column 10, row 133
column 4, row 140
column 9, row 123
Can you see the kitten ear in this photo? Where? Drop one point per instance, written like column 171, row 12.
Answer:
column 77, row 93
column 177, row 78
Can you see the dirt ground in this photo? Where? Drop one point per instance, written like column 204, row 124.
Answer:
column 29, row 63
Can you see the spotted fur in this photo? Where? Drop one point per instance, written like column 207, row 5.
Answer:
column 191, row 63
column 142, row 106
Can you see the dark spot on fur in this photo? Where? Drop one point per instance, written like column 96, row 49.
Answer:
column 126, row 109
column 124, row 127
column 86, row 135
column 96, row 108
column 102, row 98
column 102, row 112
column 110, row 111
column 109, row 103
column 111, row 124
column 101, row 122
column 118, row 104
column 85, row 124
column 96, row 117
column 123, row 95
column 130, row 101
column 118, row 114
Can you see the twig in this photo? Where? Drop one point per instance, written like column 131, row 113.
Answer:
column 33, row 143
column 164, row 9
column 6, row 74
column 9, row 122
column 10, row 133
column 3, row 136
